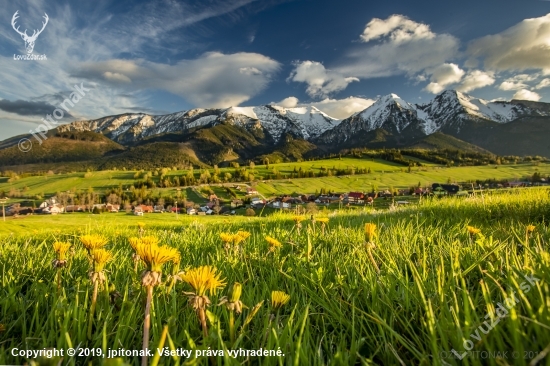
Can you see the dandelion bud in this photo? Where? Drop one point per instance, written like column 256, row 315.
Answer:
column 235, row 292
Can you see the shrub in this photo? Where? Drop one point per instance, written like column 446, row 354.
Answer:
column 250, row 212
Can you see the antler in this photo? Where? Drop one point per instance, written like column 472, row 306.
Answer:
column 35, row 34
column 13, row 19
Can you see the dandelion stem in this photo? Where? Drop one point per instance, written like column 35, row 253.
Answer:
column 202, row 317
column 232, row 327
column 92, row 309
column 58, row 281
column 371, row 257
column 147, row 325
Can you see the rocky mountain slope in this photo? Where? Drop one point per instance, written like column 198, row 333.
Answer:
column 273, row 121
column 452, row 120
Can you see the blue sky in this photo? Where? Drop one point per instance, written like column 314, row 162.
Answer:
column 167, row 56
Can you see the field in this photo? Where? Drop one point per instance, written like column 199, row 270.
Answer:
column 383, row 175
column 415, row 287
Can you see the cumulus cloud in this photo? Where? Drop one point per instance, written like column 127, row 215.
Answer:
column 289, row 102
column 337, row 108
column 476, row 79
column 444, row 75
column 398, row 45
column 343, row 108
column 398, row 27
column 320, row 81
column 525, row 94
column 212, row 80
column 511, row 85
column 518, row 82
column 523, row 46
column 544, row 83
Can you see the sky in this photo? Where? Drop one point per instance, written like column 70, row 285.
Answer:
column 164, row 56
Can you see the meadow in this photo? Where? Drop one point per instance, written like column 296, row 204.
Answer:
column 383, row 175
column 410, row 286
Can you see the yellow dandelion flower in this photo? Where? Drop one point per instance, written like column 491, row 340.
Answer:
column 155, row 256
column 91, row 242
column 473, row 230
column 370, row 231
column 530, row 228
column 61, row 250
column 273, row 243
column 203, row 279
column 100, row 257
column 323, row 220
column 141, row 225
column 226, row 237
column 243, row 235
column 298, row 219
column 279, row 299
column 134, row 242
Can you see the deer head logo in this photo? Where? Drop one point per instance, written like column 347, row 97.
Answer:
column 29, row 41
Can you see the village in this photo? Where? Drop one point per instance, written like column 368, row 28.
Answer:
column 254, row 201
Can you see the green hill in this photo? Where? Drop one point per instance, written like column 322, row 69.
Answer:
column 441, row 141
column 60, row 148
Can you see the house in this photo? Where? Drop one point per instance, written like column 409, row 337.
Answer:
column 237, row 203
column 53, row 209
column 251, row 191
column 112, row 208
column 357, row 197
column 146, row 208
column 191, row 211
column 158, row 208
column 76, row 208
column 48, row 202
column 256, row 201
column 138, row 211
column 278, row 204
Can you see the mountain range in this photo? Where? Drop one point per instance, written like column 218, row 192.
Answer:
column 214, row 136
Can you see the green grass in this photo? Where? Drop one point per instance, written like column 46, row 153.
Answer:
column 400, row 179
column 383, row 174
column 434, row 288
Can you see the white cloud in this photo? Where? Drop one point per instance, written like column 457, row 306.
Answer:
column 398, row 27
column 320, row 81
column 525, row 94
column 447, row 74
column 337, row 108
column 290, row 102
column 523, row 46
column 510, row 85
column 434, row 88
column 398, row 45
column 544, row 83
column 115, row 76
column 476, row 79
column 343, row 108
column 444, row 75
column 212, row 80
